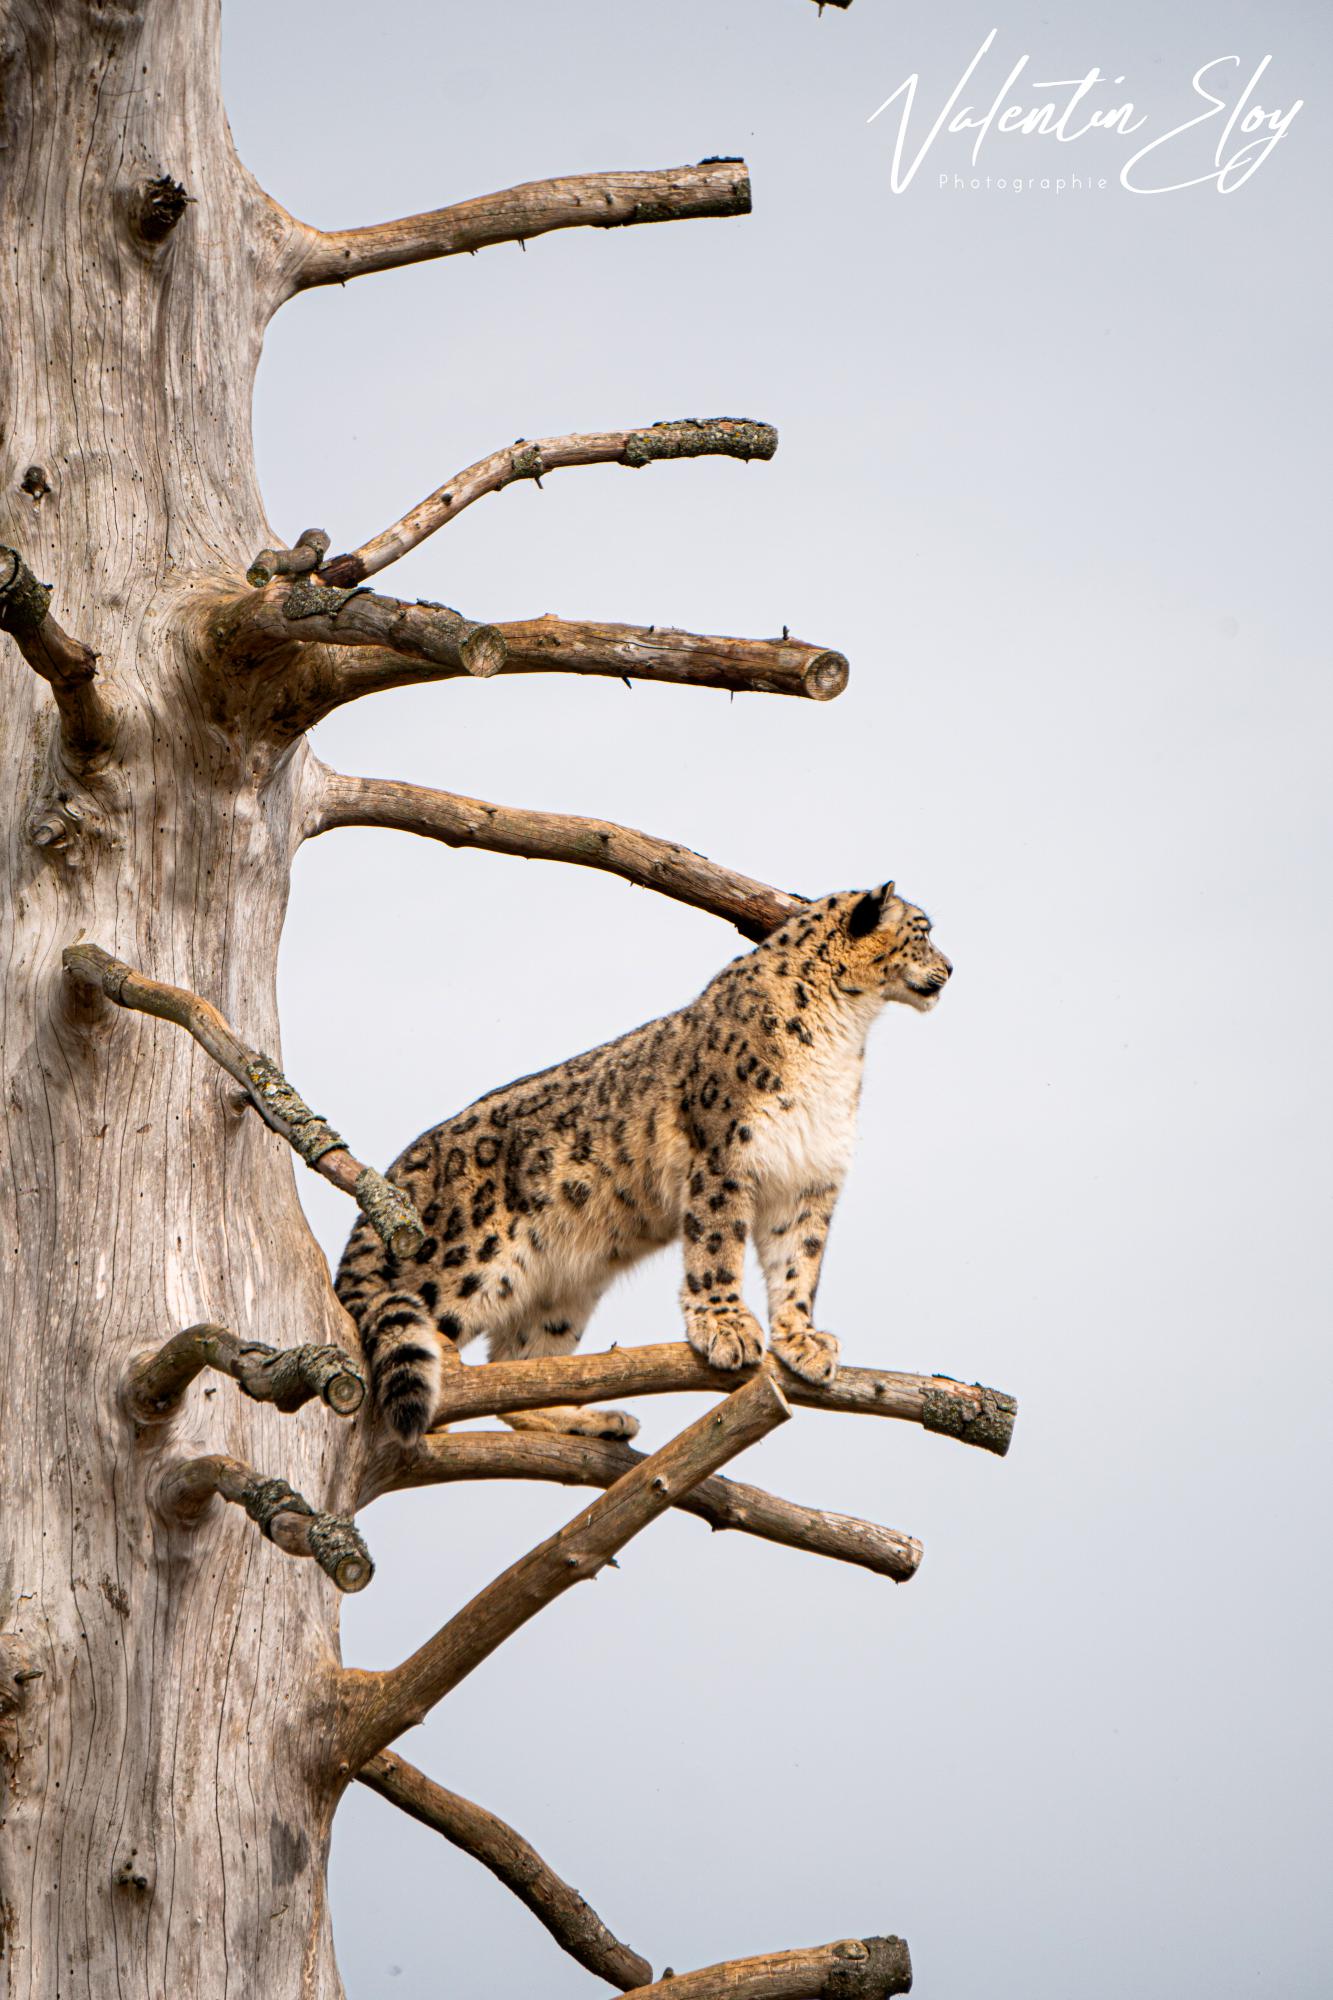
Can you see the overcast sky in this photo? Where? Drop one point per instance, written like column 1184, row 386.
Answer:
column 1053, row 473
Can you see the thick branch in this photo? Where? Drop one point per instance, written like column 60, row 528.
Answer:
column 572, row 1923
column 287, row 1377
column 268, row 1090
column 190, row 1485
column 87, row 721
column 383, row 1705
column 660, row 653
column 727, row 437
column 580, row 1461
column 976, row 1415
column 754, row 907
column 853, row 1969
column 600, row 201
column 261, row 623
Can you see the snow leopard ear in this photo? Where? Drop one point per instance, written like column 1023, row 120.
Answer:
column 866, row 914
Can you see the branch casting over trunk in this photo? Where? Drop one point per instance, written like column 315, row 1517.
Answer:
column 281, row 1109
column 755, row 908
column 577, row 1461
column 575, row 1926
column 287, row 1377
column 278, row 1511
column 601, row 201
column 726, row 437
column 967, row 1411
column 382, row 1706
column 87, row 721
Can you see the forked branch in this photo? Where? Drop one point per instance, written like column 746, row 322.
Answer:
column 287, row 1377
column 852, row 1969
column 753, row 907
column 579, row 1461
column 87, row 720
column 721, row 437
column 600, row 201
column 967, row 1411
column 575, row 1926
column 660, row 653
column 278, row 1104
column 381, row 1706
column 189, row 1487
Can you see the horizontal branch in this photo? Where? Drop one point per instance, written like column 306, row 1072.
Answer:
column 853, row 1969
column 724, row 437
column 968, row 1411
column 87, row 720
column 282, row 1110
column 660, row 653
column 575, row 1926
column 598, row 201
column 382, row 1706
column 264, row 622
column 662, row 865
column 578, row 1461
column 190, row 1485
column 287, row 1377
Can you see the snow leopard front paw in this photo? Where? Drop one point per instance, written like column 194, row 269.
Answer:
column 732, row 1338
column 813, row 1356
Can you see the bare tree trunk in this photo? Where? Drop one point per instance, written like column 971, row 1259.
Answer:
column 167, row 1806
column 175, row 1724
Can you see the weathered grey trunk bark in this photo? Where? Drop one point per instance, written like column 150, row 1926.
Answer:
column 166, row 1805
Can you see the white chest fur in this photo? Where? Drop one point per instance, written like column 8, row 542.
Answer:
column 803, row 1137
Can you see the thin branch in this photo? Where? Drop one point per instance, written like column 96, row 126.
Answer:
column 754, row 907
column 579, row 1461
column 660, row 653
column 189, row 1487
column 600, row 201
column 726, row 437
column 287, row 1377
column 382, row 1706
column 968, row 1411
column 853, row 1969
column 268, row 1090
column 575, row 1926
column 87, row 719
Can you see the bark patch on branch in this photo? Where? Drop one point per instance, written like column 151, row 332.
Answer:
column 870, row 1968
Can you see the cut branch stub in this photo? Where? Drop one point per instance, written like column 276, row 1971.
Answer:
column 381, row 1706
column 289, row 1377
column 726, row 437
column 87, row 721
column 755, row 908
column 870, row 1968
column 579, row 1461
column 660, row 653
column 967, row 1411
column 277, row 1510
column 574, row 1925
column 717, row 187
column 305, row 555
column 282, row 1109
column 264, row 622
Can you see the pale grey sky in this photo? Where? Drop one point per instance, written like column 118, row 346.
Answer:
column 1053, row 473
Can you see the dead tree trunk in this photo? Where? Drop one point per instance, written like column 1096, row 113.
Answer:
column 175, row 1726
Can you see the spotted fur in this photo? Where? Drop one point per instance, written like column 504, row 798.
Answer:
column 729, row 1121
